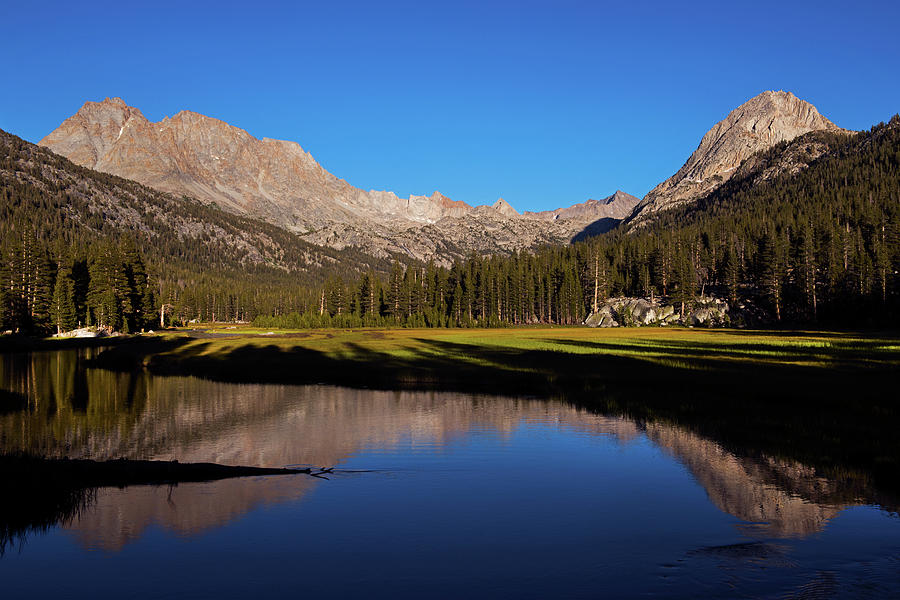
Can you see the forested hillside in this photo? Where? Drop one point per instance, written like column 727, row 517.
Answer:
column 816, row 244
column 208, row 263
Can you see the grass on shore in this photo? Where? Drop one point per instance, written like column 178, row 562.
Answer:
column 693, row 349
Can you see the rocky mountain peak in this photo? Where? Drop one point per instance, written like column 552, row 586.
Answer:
column 88, row 135
column 190, row 154
column 114, row 102
column 619, row 197
column 758, row 124
column 504, row 208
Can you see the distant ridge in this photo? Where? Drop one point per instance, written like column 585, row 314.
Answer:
column 277, row 181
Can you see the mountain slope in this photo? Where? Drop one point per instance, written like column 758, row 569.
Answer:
column 484, row 230
column 43, row 192
column 207, row 159
column 214, row 162
column 757, row 125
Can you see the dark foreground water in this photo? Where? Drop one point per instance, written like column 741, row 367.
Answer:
column 433, row 495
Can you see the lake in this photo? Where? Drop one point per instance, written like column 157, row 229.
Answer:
column 434, row 494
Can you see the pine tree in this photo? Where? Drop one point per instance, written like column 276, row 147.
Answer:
column 63, row 310
column 807, row 270
column 731, row 271
column 394, row 290
column 770, row 269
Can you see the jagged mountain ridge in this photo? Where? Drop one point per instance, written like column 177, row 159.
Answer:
column 47, row 193
column 277, row 181
column 755, row 126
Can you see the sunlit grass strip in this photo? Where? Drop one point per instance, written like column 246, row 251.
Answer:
column 679, row 348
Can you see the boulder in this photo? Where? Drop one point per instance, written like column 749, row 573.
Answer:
column 602, row 318
column 607, row 321
column 84, row 332
column 699, row 316
column 637, row 311
column 672, row 317
column 634, row 312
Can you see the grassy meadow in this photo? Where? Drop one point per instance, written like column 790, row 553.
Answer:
column 515, row 349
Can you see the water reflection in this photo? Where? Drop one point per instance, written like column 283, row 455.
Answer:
column 775, row 498
column 120, row 516
column 80, row 412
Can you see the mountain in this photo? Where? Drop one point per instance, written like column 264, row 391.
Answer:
column 64, row 203
column 755, row 126
column 277, row 181
column 485, row 230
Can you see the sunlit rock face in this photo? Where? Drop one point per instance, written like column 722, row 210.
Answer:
column 617, row 206
column 204, row 158
column 758, row 124
column 208, row 159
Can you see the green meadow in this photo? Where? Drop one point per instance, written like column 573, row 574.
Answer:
column 517, row 349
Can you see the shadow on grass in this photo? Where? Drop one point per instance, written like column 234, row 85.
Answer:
column 23, row 343
column 844, row 356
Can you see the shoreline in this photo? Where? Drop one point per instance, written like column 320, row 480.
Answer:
column 825, row 399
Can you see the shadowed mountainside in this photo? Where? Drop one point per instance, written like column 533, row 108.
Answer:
column 43, row 192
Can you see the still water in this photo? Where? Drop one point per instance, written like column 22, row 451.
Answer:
column 434, row 494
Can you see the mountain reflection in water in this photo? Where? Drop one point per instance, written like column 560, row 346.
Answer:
column 91, row 413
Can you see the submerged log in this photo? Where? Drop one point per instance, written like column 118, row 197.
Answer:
column 122, row 472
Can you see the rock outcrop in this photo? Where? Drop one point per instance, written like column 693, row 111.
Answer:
column 758, row 124
column 198, row 156
column 704, row 311
column 194, row 155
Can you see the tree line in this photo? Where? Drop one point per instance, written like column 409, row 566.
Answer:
column 50, row 289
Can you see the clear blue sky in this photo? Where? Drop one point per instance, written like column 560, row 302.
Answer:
column 545, row 104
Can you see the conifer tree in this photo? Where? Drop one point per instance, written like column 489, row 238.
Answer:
column 64, row 299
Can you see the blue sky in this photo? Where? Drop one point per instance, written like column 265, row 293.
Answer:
column 543, row 103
